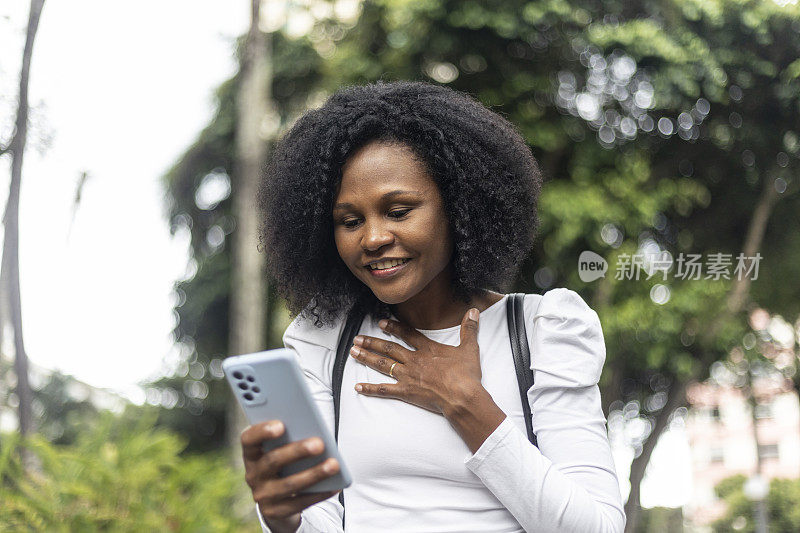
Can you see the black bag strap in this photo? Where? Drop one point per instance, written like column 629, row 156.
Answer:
column 519, row 348
column 351, row 327
column 522, row 355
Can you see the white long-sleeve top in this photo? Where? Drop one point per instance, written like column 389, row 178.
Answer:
column 413, row 473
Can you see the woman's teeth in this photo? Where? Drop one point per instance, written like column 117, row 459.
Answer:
column 387, row 264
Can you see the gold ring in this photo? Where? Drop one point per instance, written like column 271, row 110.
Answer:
column 390, row 370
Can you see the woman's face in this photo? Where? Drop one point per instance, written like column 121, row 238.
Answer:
column 389, row 207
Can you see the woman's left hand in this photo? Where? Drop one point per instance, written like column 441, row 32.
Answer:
column 435, row 376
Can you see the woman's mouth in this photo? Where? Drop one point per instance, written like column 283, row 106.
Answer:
column 388, row 272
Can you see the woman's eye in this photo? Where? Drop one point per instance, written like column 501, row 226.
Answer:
column 353, row 222
column 397, row 213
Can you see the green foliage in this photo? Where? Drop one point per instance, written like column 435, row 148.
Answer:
column 121, row 474
column 197, row 395
column 783, row 506
column 661, row 520
column 731, row 486
column 62, row 414
column 61, row 405
column 691, row 191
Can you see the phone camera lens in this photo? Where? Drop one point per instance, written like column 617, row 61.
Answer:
column 251, row 379
column 243, row 386
column 256, row 390
column 237, row 375
column 248, row 396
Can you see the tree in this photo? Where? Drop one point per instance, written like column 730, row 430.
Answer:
column 783, row 506
column 661, row 520
column 198, row 188
column 731, row 151
column 9, row 272
column 121, row 474
column 631, row 117
column 253, row 106
column 660, row 128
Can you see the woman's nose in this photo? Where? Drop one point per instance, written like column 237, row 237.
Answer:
column 375, row 236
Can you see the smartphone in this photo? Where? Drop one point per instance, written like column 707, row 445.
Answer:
column 270, row 385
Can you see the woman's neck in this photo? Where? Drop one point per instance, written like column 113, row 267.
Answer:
column 442, row 312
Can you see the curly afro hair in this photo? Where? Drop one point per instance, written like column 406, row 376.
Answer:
column 485, row 171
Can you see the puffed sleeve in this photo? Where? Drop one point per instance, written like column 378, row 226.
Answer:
column 569, row 482
column 315, row 349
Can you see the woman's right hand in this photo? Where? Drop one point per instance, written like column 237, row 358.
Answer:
column 277, row 497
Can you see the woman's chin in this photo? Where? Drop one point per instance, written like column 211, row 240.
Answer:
column 390, row 299
column 391, row 296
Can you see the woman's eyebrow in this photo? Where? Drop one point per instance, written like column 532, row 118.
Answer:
column 385, row 196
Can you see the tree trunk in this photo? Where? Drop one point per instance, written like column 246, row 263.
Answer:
column 10, row 261
column 248, row 307
column 675, row 398
column 737, row 297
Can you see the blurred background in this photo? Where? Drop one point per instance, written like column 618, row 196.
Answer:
column 669, row 135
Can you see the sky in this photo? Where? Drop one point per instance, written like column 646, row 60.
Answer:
column 119, row 91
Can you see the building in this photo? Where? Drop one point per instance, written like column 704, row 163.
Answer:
column 723, row 441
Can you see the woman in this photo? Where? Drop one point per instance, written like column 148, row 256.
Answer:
column 418, row 204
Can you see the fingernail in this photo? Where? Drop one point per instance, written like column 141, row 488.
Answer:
column 329, row 467
column 382, row 323
column 358, row 340
column 314, row 446
column 473, row 314
column 274, row 427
